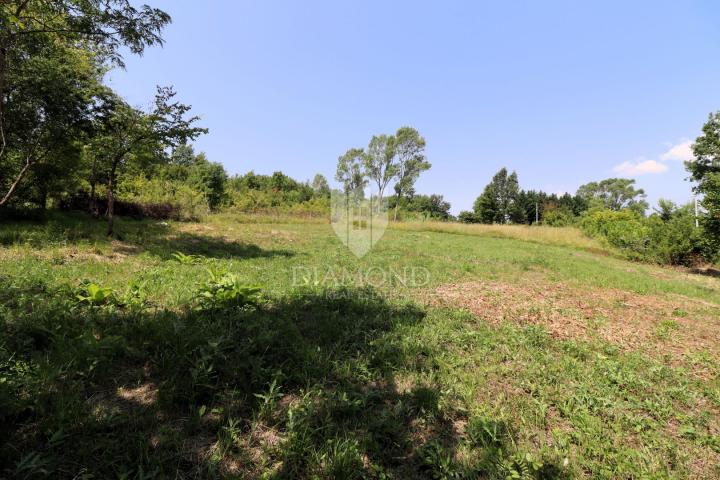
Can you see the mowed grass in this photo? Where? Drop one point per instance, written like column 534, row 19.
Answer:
column 487, row 354
column 563, row 236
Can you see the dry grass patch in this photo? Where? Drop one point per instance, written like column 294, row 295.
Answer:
column 673, row 325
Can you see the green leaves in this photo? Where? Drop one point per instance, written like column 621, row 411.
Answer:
column 95, row 295
column 227, row 290
column 188, row 259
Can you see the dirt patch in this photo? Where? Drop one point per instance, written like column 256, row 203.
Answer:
column 144, row 395
column 673, row 325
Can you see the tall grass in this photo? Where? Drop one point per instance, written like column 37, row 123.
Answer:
column 562, row 236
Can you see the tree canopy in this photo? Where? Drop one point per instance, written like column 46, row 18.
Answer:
column 614, row 194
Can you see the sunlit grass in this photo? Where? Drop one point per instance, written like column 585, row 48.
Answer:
column 564, row 236
column 331, row 381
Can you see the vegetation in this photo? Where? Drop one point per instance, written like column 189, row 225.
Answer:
column 705, row 170
column 213, row 326
column 229, row 349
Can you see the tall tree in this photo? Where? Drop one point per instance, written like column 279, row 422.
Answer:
column 409, row 149
column 47, row 108
column 128, row 134
column 500, row 200
column 705, row 170
column 379, row 161
column 32, row 36
column 350, row 170
column 320, row 185
column 706, row 150
column 614, row 194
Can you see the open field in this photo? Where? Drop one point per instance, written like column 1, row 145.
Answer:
column 495, row 352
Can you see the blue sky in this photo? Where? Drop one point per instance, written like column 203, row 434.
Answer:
column 562, row 92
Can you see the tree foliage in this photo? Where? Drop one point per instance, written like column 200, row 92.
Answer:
column 614, row 194
column 51, row 60
column 500, row 200
column 705, row 170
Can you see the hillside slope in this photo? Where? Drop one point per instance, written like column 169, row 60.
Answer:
column 436, row 354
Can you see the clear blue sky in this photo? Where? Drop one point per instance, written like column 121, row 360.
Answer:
column 562, row 92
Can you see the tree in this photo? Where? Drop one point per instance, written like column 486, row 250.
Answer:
column 710, row 188
column 706, row 150
column 666, row 209
column 705, row 170
column 468, row 217
column 126, row 134
column 48, row 106
column 614, row 194
column 499, row 202
column 36, row 40
column 411, row 161
column 379, row 161
column 210, row 178
column 183, row 155
column 320, row 185
column 350, row 170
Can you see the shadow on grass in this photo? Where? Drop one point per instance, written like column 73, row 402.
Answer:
column 136, row 236
column 207, row 246
column 316, row 384
column 299, row 386
column 709, row 271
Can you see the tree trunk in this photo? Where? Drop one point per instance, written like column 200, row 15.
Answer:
column 3, row 56
column 397, row 203
column 93, row 204
column 12, row 188
column 111, row 202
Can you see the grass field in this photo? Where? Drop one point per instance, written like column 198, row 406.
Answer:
column 446, row 352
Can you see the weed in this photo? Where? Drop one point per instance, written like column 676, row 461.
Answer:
column 188, row 259
column 665, row 328
column 227, row 290
column 94, row 295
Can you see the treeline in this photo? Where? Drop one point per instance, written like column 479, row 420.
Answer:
column 615, row 211
column 504, row 202
column 62, row 129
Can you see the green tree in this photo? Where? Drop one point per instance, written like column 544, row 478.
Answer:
column 379, row 161
column 126, row 134
column 665, row 209
column 320, row 185
column 409, row 149
column 183, row 155
column 499, row 202
column 41, row 45
column 614, row 194
column 706, row 150
column 705, row 170
column 46, row 112
column 710, row 188
column 209, row 178
column 350, row 170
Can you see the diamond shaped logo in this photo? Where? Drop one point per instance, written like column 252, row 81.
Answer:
column 358, row 219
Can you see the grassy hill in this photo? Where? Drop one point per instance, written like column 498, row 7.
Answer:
column 447, row 351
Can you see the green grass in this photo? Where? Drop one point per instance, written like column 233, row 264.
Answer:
column 336, row 369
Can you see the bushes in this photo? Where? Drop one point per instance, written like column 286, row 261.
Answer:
column 162, row 198
column 158, row 210
column 623, row 229
column 674, row 241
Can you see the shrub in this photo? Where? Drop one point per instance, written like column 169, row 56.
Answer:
column 227, row 290
column 468, row 217
column 623, row 229
column 557, row 217
column 171, row 198
column 675, row 240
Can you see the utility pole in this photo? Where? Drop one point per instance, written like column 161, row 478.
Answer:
column 537, row 217
column 697, row 221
